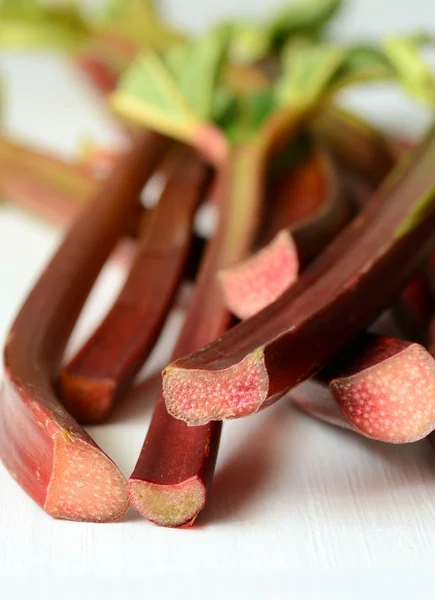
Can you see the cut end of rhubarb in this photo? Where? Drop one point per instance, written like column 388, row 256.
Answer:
column 85, row 484
column 87, row 400
column 198, row 396
column 258, row 281
column 168, row 505
column 392, row 401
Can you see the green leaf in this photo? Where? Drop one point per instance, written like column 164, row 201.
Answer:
column 362, row 64
column 412, row 71
column 305, row 17
column 175, row 93
column 224, row 106
column 137, row 22
column 252, row 41
column 308, row 70
column 29, row 24
column 199, row 76
column 149, row 94
column 249, row 116
column 129, row 11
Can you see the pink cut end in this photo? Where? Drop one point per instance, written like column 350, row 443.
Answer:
column 168, row 505
column 258, row 281
column 88, row 400
column 392, row 401
column 85, row 484
column 199, row 396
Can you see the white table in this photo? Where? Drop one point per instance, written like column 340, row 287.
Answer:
column 299, row 510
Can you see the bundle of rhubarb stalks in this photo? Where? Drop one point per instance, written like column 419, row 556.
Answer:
column 322, row 224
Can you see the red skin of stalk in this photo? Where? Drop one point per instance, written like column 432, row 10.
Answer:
column 381, row 387
column 102, row 370
column 51, row 457
column 310, row 202
column 414, row 307
column 176, row 463
column 308, row 211
column 56, row 190
column 51, row 187
column 102, row 77
column 330, row 304
column 186, row 460
column 413, row 310
column 25, row 178
column 358, row 146
column 335, row 395
column 384, row 388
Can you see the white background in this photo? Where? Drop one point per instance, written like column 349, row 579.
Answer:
column 298, row 510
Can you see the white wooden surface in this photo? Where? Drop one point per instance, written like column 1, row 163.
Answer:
column 298, row 510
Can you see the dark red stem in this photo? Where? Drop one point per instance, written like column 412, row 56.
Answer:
column 170, row 482
column 307, row 210
column 98, row 375
column 53, row 459
column 359, row 274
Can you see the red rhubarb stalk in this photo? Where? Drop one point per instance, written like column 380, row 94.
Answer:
column 380, row 387
column 355, row 144
column 101, row 371
column 172, row 476
column 414, row 310
column 101, row 75
column 47, row 185
column 51, row 457
column 414, row 307
column 308, row 211
column 52, row 188
column 163, row 487
column 360, row 273
column 383, row 387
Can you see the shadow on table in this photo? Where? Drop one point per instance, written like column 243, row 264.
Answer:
column 249, row 473
column 245, row 474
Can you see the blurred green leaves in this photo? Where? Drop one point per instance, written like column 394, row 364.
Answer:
column 252, row 41
column 28, row 23
column 411, row 70
column 176, row 92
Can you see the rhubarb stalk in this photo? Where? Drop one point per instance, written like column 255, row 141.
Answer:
column 307, row 212
column 51, row 457
column 50, row 187
column 355, row 143
column 380, row 387
column 96, row 377
column 177, row 94
column 45, row 184
column 383, row 388
column 359, row 274
column 170, row 481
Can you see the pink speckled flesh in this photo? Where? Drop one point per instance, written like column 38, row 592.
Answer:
column 237, row 391
column 168, row 505
column 85, row 485
column 392, row 401
column 258, row 281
